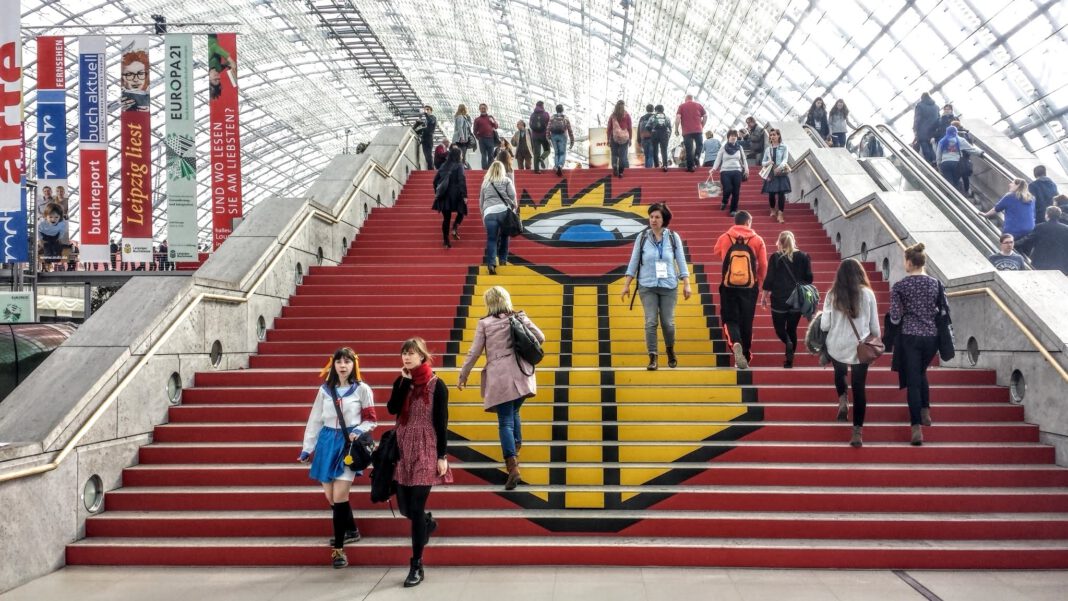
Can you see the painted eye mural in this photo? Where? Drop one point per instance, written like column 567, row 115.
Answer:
column 588, row 218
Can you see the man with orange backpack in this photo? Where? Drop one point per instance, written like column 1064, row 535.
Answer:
column 745, row 263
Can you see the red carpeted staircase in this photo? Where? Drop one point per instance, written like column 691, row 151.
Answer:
column 699, row 465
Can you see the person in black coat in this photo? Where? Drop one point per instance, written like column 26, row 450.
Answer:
column 924, row 124
column 425, row 127
column 786, row 269
column 1047, row 244
column 450, row 195
column 816, row 118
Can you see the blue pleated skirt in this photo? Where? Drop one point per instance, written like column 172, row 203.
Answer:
column 328, row 463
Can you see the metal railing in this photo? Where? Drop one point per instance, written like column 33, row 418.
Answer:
column 269, row 264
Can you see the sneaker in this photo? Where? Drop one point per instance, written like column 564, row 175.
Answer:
column 739, row 357
column 352, row 536
column 338, row 558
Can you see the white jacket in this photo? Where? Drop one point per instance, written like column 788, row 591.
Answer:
column 841, row 341
column 358, row 409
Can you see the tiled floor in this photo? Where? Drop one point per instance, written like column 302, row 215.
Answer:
column 534, row 584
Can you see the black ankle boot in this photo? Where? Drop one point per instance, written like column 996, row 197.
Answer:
column 652, row 362
column 415, row 573
column 673, row 361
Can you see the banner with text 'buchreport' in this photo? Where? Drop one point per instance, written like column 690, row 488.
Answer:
column 180, row 141
column 225, row 136
column 93, row 149
column 136, row 150
column 13, row 232
column 53, row 234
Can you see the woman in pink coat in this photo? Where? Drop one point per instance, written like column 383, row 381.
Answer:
column 505, row 384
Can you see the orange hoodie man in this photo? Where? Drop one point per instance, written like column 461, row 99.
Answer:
column 745, row 263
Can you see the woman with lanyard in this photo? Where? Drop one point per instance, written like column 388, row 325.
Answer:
column 658, row 262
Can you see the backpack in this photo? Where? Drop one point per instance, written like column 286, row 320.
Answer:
column 659, row 123
column 620, row 135
column 558, row 124
column 524, row 345
column 537, row 121
column 739, row 265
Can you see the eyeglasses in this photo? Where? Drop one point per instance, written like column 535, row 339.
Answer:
column 134, row 75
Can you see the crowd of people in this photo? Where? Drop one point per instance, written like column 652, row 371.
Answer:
column 70, row 259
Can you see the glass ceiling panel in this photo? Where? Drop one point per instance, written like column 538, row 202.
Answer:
column 300, row 90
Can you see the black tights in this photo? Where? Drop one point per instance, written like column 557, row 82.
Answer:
column 781, row 204
column 786, row 326
column 446, row 216
column 860, row 377
column 411, row 500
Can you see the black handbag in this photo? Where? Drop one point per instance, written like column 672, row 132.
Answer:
column 513, row 224
column 524, row 345
column 946, row 347
column 384, row 461
column 356, row 454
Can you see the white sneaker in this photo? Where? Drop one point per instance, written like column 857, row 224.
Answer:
column 739, row 357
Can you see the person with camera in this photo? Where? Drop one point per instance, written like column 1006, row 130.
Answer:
column 344, row 409
column 507, row 379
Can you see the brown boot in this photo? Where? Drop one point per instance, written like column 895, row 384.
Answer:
column 513, row 473
column 518, row 447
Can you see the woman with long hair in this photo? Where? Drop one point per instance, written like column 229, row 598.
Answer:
column 787, row 268
column 462, row 132
column 850, row 315
column 839, row 123
column 1019, row 208
column 733, row 170
column 507, row 380
column 450, row 195
column 619, row 130
column 421, row 403
column 495, row 200
column 342, row 397
column 777, row 184
column 914, row 303
column 816, row 118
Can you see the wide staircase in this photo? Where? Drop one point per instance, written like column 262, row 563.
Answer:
column 701, row 465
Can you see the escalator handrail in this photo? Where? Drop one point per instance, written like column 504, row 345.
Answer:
column 815, row 135
column 970, row 223
column 998, row 162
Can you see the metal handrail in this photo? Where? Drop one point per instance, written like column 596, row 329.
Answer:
column 955, row 294
column 815, row 135
column 203, row 296
column 980, row 231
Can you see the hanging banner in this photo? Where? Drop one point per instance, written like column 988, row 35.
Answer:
column 93, row 149
column 53, row 235
column 599, row 153
column 225, row 136
column 136, row 150
column 13, row 231
column 181, row 150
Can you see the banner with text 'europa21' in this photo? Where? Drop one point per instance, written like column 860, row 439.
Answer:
column 13, row 231
column 225, row 136
column 180, row 141
column 136, row 149
column 93, row 149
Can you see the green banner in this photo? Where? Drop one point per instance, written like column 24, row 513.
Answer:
column 16, row 307
column 181, row 150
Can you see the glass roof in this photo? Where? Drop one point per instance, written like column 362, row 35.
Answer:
column 301, row 88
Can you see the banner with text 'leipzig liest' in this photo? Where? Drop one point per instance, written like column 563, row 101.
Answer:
column 53, row 234
column 225, row 136
column 136, row 150
column 180, row 141
column 13, row 232
column 93, row 149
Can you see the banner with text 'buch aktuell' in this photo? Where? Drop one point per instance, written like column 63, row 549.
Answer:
column 93, row 148
column 180, row 142
column 136, row 148
column 225, row 136
column 13, row 232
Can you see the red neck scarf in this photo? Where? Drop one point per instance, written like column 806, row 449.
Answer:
column 422, row 374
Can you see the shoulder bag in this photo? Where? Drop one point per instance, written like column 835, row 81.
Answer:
column 805, row 297
column 946, row 350
column 524, row 344
column 513, row 225
column 869, row 349
column 356, row 454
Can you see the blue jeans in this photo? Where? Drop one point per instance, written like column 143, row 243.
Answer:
column 619, row 155
column 496, row 238
column 649, row 150
column 485, row 146
column 560, row 148
column 951, row 171
column 839, row 139
column 509, row 426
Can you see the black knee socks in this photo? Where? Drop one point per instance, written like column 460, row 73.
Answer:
column 341, row 522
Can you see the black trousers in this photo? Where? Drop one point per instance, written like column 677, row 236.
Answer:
column 692, row 142
column 737, row 308
column 732, row 187
column 917, row 352
column 660, row 148
column 858, row 382
column 541, row 150
column 446, row 217
column 428, row 153
column 786, row 326
column 411, row 500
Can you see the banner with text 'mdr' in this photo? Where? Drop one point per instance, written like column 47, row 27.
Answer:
column 180, row 141
column 52, row 199
column 93, row 149
column 136, row 150
column 225, row 136
column 13, row 232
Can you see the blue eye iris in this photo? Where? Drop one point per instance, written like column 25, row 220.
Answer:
column 584, row 227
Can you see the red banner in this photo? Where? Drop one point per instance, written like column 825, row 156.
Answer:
column 225, row 136
column 136, row 150
column 93, row 149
